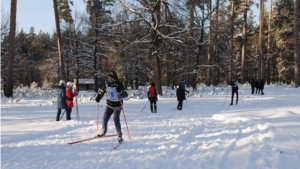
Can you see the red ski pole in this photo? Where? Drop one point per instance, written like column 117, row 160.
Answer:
column 125, row 118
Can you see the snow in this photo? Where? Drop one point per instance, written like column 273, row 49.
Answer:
column 261, row 132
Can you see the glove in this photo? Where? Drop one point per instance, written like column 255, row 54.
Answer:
column 101, row 92
column 149, row 98
column 76, row 93
column 119, row 90
column 156, row 99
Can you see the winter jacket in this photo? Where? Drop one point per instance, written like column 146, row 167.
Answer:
column 234, row 85
column 61, row 97
column 113, row 91
column 252, row 83
column 71, row 95
column 180, row 93
column 152, row 93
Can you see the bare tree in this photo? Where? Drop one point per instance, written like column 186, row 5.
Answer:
column 8, row 90
column 269, row 44
column 244, row 42
column 59, row 42
column 261, row 41
column 231, row 38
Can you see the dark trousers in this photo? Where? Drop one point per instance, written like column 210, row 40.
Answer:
column 252, row 89
column 108, row 112
column 237, row 96
column 153, row 104
column 179, row 106
column 68, row 114
column 257, row 90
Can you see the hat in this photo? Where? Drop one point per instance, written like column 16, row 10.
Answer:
column 61, row 82
column 113, row 74
column 69, row 84
column 152, row 84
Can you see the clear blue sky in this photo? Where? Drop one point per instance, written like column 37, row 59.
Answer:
column 37, row 13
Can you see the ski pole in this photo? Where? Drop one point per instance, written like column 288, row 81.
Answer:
column 241, row 97
column 62, row 115
column 97, row 118
column 187, row 97
column 77, row 113
column 226, row 95
column 124, row 117
column 145, row 106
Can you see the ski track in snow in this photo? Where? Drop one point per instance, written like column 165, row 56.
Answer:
column 262, row 131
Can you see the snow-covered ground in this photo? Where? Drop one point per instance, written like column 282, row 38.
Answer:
column 261, row 132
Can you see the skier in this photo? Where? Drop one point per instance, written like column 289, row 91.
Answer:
column 70, row 94
column 61, row 99
column 182, row 84
column 152, row 97
column 114, row 89
column 234, row 84
column 180, row 93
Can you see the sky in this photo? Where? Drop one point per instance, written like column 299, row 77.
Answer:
column 260, row 132
column 37, row 13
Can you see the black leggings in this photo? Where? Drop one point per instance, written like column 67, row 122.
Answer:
column 237, row 96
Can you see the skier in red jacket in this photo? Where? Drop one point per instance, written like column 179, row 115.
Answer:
column 152, row 97
column 70, row 94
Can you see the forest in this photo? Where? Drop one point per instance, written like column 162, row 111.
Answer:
column 162, row 41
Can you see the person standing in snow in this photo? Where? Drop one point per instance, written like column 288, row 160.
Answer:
column 114, row 89
column 152, row 97
column 61, row 99
column 70, row 94
column 180, row 93
column 182, row 84
column 234, row 84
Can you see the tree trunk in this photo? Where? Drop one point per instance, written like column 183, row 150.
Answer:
column 209, row 69
column 155, row 48
column 59, row 43
column 269, row 44
column 244, row 45
column 8, row 89
column 296, row 43
column 261, row 41
column 231, row 40
column 217, row 78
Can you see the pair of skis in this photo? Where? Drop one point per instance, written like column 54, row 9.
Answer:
column 96, row 137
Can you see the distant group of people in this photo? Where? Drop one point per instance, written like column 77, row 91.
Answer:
column 257, row 86
column 65, row 95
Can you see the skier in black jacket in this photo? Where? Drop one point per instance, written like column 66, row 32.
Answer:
column 234, row 84
column 114, row 89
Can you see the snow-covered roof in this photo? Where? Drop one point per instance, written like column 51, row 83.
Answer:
column 86, row 81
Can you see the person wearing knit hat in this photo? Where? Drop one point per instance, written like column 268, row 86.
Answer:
column 114, row 90
column 70, row 94
column 152, row 97
column 61, row 99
